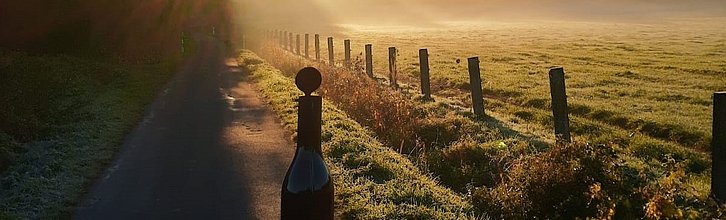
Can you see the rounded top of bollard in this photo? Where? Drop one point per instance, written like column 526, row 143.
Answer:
column 308, row 80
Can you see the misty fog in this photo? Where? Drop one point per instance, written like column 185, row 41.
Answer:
column 313, row 15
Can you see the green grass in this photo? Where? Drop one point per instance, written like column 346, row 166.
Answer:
column 372, row 181
column 64, row 117
column 641, row 167
column 650, row 79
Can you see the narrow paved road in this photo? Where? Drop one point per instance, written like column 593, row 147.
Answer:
column 208, row 148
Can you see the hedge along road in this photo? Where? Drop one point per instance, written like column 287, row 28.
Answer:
column 208, row 148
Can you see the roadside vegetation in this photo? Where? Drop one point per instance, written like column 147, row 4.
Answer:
column 372, row 181
column 62, row 119
column 507, row 164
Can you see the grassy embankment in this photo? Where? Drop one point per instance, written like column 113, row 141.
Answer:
column 63, row 118
column 641, row 176
column 372, row 181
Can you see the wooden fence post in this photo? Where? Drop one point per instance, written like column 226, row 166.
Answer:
column 317, row 47
column 244, row 42
column 307, row 45
column 297, row 43
column 718, row 148
column 346, row 44
column 284, row 40
column 477, row 99
column 559, row 104
column 331, row 56
column 423, row 56
column 369, row 60
column 292, row 49
column 392, row 69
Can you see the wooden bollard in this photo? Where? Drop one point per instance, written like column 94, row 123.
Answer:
column 331, row 56
column 346, row 44
column 307, row 45
column 307, row 190
column 477, row 99
column 559, row 104
column 317, row 47
column 392, row 69
column 369, row 60
column 297, row 43
column 423, row 56
column 718, row 148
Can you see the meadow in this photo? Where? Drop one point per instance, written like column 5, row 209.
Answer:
column 639, row 98
column 654, row 79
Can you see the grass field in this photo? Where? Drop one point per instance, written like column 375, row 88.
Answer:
column 654, row 79
column 640, row 113
column 63, row 119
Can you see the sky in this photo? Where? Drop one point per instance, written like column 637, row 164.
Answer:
column 320, row 14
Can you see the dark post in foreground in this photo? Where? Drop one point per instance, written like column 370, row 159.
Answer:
column 307, row 191
column 346, row 44
column 718, row 148
column 307, row 45
column 559, row 104
column 331, row 56
column 297, row 44
column 477, row 100
column 317, row 47
column 369, row 60
column 392, row 69
column 423, row 56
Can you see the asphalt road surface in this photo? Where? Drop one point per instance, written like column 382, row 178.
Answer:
column 208, row 148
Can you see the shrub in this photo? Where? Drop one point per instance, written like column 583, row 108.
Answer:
column 569, row 181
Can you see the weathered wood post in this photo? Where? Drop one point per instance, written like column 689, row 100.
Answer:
column 423, row 56
column 477, row 99
column 392, row 69
column 718, row 148
column 182, row 42
column 317, row 47
column 279, row 38
column 331, row 56
column 369, row 60
column 307, row 45
column 297, row 43
column 559, row 104
column 292, row 48
column 346, row 44
column 244, row 42
column 284, row 40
